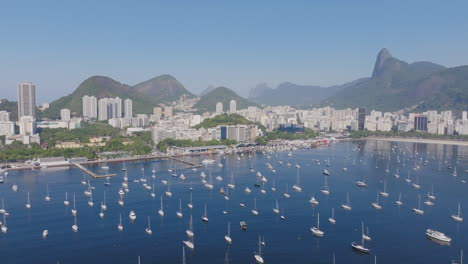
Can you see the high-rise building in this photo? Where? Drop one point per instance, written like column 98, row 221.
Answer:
column 26, row 99
column 420, row 123
column 118, row 108
column 167, row 112
column 90, row 107
column 27, row 125
column 102, row 107
column 110, row 108
column 128, row 108
column 157, row 112
column 361, row 118
column 232, row 107
column 219, row 108
column 464, row 115
column 65, row 114
column 4, row 116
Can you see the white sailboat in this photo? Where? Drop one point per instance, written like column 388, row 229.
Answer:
column 276, row 209
column 384, row 193
column 75, row 226
column 148, row 229
column 313, row 201
column 286, row 194
column 316, row 229
column 47, row 197
column 120, row 226
column 189, row 243
column 74, row 211
column 132, row 216
column 282, row 217
column 365, row 236
column 161, row 209
column 376, row 204
column 205, row 216
column 297, row 187
column 168, row 192
column 347, row 205
column 273, row 188
column 332, row 218
column 90, row 201
column 189, row 231
column 399, row 202
column 416, row 184
column 103, row 204
column 227, row 237
column 431, row 195
column 28, row 203
column 3, row 210
column 179, row 212
column 360, row 247
column 325, row 190
column 254, row 210
column 458, row 217
column 418, row 210
column 4, row 225
column 190, row 204
column 258, row 256
column 101, row 214
column 66, row 202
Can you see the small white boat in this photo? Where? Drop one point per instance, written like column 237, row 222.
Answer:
column 254, row 210
column 276, row 209
column 258, row 256
column 205, row 216
column 73, row 210
column 45, row 233
column 189, row 231
column 313, row 201
column 384, row 192
column 179, row 212
column 120, row 226
column 75, row 226
column 227, row 237
column 418, row 210
column 132, row 216
column 189, row 243
column 66, row 202
column 247, row 190
column 347, row 205
column 286, row 194
column 190, row 204
column 14, row 187
column 458, row 217
column 316, row 229
column 438, row 236
column 399, row 202
column 47, row 197
column 332, row 218
column 28, row 203
column 361, row 184
column 365, row 236
column 161, row 209
column 121, row 202
column 148, row 229
column 376, row 204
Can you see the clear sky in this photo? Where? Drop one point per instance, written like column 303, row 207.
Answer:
column 58, row 44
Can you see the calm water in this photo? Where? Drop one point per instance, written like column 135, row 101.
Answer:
column 397, row 233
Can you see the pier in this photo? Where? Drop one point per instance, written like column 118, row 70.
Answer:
column 92, row 174
column 194, row 165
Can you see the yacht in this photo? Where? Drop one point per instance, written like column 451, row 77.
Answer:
column 438, row 236
column 458, row 216
column 121, row 202
column 316, row 230
column 120, row 226
column 148, row 229
column 347, row 205
column 132, row 216
column 332, row 218
column 313, row 201
column 258, row 256
column 28, row 204
column 45, row 233
column 189, row 243
column 360, row 247
column 418, row 210
column 205, row 216
column 376, row 204
column 227, row 237
column 90, row 202
column 361, row 184
column 161, row 210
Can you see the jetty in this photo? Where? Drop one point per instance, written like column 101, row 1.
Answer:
column 92, row 174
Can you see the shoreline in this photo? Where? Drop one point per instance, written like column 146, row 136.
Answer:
column 419, row 140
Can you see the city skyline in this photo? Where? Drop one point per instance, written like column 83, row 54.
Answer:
column 314, row 55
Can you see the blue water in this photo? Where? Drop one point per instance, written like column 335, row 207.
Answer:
column 397, row 233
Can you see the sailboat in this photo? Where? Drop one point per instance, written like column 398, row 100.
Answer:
column 347, row 205
column 282, row 217
column 416, row 184
column 258, row 256
column 90, row 202
column 376, row 204
column 2, row 210
column 418, row 210
column 454, row 173
column 189, row 231
column 75, row 226
column 286, row 194
column 47, row 197
column 365, row 236
column 87, row 192
column 83, row 181
column 179, row 213
column 332, row 218
column 168, row 192
column 431, row 195
column 74, row 211
column 148, row 229
column 458, row 216
column 408, row 179
column 103, row 204
column 276, row 209
column 190, row 204
column 205, row 216
column 227, row 237
column 360, row 247
column 324, row 190
column 189, row 243
column 66, row 202
column 28, row 203
column 384, row 193
column 120, row 226
column 254, row 210
column 396, row 174
column 316, row 230
column 161, row 210
column 297, row 187
column 101, row 214
column 361, row 184
column 399, row 202
column 273, row 188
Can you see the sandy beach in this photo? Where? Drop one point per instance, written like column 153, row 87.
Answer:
column 421, row 140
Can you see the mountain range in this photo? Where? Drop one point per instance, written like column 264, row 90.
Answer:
column 393, row 85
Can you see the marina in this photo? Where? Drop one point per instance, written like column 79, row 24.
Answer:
column 130, row 226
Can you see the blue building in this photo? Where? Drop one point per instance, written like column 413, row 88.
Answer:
column 291, row 128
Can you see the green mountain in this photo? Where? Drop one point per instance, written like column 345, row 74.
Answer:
column 145, row 95
column 396, row 85
column 207, row 102
column 10, row 106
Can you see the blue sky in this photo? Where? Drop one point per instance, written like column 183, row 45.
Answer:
column 237, row 44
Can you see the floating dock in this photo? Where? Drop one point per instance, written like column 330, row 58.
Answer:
column 92, row 174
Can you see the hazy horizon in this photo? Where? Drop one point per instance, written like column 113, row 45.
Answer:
column 57, row 45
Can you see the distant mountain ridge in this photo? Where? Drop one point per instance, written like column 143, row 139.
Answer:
column 207, row 102
column 145, row 95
